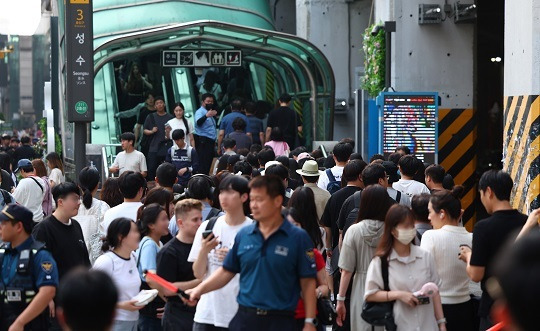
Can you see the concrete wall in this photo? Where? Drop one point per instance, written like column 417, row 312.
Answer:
column 436, row 57
column 522, row 48
column 336, row 27
column 284, row 14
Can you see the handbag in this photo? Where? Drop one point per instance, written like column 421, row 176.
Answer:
column 163, row 147
column 326, row 312
column 380, row 313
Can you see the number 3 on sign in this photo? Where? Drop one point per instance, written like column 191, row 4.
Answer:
column 80, row 15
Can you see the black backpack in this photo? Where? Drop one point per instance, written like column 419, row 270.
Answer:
column 353, row 214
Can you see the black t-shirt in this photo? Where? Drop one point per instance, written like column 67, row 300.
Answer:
column 23, row 152
column 489, row 236
column 144, row 112
column 331, row 211
column 172, row 265
column 288, row 121
column 65, row 242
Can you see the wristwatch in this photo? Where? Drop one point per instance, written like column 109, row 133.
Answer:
column 311, row 321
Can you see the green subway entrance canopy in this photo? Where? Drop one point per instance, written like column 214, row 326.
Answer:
column 277, row 62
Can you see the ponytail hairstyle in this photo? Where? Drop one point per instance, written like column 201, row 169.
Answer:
column 449, row 201
column 117, row 231
column 88, row 181
column 147, row 215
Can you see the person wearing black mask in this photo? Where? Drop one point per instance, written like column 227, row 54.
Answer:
column 205, row 132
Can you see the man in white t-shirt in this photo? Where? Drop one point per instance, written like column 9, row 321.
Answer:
column 132, row 185
column 217, row 308
column 408, row 167
column 341, row 154
column 31, row 189
column 129, row 159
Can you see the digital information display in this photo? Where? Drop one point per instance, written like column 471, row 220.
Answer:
column 409, row 119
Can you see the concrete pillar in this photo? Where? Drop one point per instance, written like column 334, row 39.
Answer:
column 521, row 134
column 439, row 58
column 336, row 28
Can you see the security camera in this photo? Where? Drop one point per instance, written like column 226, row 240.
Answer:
column 376, row 29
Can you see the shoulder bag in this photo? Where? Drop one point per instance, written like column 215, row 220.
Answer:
column 380, row 313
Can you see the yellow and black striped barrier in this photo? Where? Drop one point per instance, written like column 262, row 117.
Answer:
column 457, row 155
column 521, row 151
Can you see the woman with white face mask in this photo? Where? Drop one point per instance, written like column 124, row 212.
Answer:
column 409, row 268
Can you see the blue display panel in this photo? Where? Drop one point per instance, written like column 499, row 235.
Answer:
column 409, row 119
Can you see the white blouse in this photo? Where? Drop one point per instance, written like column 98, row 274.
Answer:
column 409, row 274
column 444, row 244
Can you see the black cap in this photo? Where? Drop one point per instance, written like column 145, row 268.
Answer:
column 15, row 212
column 285, row 97
column 6, row 136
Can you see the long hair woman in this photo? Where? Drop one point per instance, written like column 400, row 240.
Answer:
column 302, row 213
column 181, row 122
column 443, row 243
column 110, row 192
column 356, row 254
column 153, row 222
column 164, row 198
column 409, row 269
column 48, row 201
column 56, row 167
column 118, row 261
column 91, row 211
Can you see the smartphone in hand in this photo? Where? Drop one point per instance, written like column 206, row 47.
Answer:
column 206, row 233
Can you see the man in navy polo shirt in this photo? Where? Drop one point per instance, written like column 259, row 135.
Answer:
column 275, row 261
column 28, row 273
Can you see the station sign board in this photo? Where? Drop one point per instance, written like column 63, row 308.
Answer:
column 201, row 58
column 409, row 119
column 80, row 61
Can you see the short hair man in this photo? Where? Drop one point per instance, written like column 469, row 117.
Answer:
column 403, row 150
column 62, row 234
column 434, row 177
column 199, row 187
column 279, row 170
column 166, row 176
column 25, row 151
column 31, row 189
column 132, row 186
column 226, row 125
column 243, row 139
column 130, row 158
column 310, row 175
column 419, row 206
column 24, row 267
column 205, row 131
column 518, row 292
column 491, row 234
column 286, row 119
column 255, row 124
column 173, row 265
column 183, row 157
column 264, row 156
column 341, row 154
column 266, row 300
column 154, row 129
column 86, row 301
column 408, row 167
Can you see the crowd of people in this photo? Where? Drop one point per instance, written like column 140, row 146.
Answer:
column 257, row 242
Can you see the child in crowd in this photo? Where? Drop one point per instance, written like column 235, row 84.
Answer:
column 183, row 157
